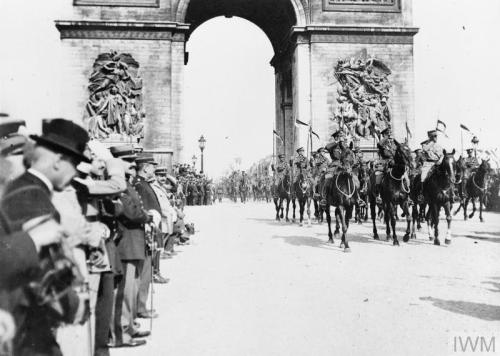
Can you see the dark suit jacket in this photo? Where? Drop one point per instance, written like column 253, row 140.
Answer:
column 24, row 198
column 147, row 194
column 132, row 245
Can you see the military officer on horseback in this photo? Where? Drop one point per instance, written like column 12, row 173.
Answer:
column 300, row 161
column 280, row 169
column 470, row 163
column 432, row 152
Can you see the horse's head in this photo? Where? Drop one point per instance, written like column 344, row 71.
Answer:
column 485, row 166
column 402, row 156
column 448, row 164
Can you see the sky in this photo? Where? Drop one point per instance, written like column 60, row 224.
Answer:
column 229, row 87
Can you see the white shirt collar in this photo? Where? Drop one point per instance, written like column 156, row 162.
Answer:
column 42, row 177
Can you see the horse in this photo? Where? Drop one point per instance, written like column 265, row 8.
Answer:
column 281, row 191
column 395, row 193
column 303, row 192
column 476, row 187
column 461, row 178
column 341, row 194
column 438, row 192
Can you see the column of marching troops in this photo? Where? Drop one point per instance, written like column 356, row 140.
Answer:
column 82, row 230
column 197, row 188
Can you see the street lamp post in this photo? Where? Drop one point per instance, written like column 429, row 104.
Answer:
column 202, row 142
column 193, row 159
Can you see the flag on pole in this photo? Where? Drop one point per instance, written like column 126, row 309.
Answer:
column 463, row 127
column 298, row 122
column 278, row 136
column 408, row 131
column 441, row 127
column 313, row 133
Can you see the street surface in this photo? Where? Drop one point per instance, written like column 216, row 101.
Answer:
column 248, row 285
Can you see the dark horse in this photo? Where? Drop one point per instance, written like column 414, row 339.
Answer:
column 475, row 187
column 394, row 191
column 303, row 193
column 341, row 194
column 281, row 191
column 364, row 178
column 438, row 192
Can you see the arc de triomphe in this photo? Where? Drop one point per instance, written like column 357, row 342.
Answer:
column 309, row 37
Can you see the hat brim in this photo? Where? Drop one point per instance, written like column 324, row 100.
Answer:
column 60, row 147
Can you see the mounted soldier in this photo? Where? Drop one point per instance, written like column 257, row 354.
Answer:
column 471, row 163
column 280, row 169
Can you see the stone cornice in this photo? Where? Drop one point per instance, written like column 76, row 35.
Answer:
column 356, row 30
column 344, row 34
column 126, row 30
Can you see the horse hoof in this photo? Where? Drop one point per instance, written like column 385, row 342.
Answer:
column 437, row 243
column 342, row 245
column 388, row 237
column 395, row 243
column 287, row 220
column 347, row 249
column 360, row 222
column 471, row 216
column 414, row 236
column 300, row 224
column 447, row 241
column 431, row 238
column 330, row 240
column 406, row 238
column 481, row 219
column 376, row 237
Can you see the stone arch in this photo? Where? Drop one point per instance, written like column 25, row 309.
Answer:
column 275, row 17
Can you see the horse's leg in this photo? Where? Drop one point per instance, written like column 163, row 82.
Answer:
column 473, row 201
column 288, row 208
column 429, row 222
column 301, row 210
column 309, row 212
column 466, row 203
column 329, row 222
column 337, row 225
column 366, row 209
column 406, row 210
column 393, row 218
column 277, row 207
column 293, row 206
column 414, row 216
column 343, row 219
column 374, row 217
column 481, row 201
column 387, row 220
column 435, row 216
column 447, row 211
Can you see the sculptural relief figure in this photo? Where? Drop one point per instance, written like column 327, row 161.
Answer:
column 362, row 102
column 115, row 101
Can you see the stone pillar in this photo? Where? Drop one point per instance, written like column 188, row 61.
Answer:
column 301, row 91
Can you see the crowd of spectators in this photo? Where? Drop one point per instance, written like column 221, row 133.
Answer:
column 82, row 230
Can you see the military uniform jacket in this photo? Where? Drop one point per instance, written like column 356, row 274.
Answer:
column 432, row 151
column 386, row 148
column 132, row 244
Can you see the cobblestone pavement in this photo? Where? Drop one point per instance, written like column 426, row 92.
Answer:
column 248, row 285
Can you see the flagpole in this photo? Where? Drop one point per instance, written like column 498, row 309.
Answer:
column 462, row 142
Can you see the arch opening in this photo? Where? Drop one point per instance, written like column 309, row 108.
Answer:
column 275, row 17
column 229, row 95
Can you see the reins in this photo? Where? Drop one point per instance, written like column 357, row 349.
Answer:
column 348, row 195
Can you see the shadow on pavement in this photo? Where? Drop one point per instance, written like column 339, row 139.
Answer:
column 476, row 310
column 494, row 285
column 484, row 238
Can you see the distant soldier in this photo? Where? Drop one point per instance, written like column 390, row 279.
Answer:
column 418, row 162
column 471, row 163
column 281, row 169
column 300, row 161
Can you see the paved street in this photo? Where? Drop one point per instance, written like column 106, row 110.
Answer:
column 248, row 285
